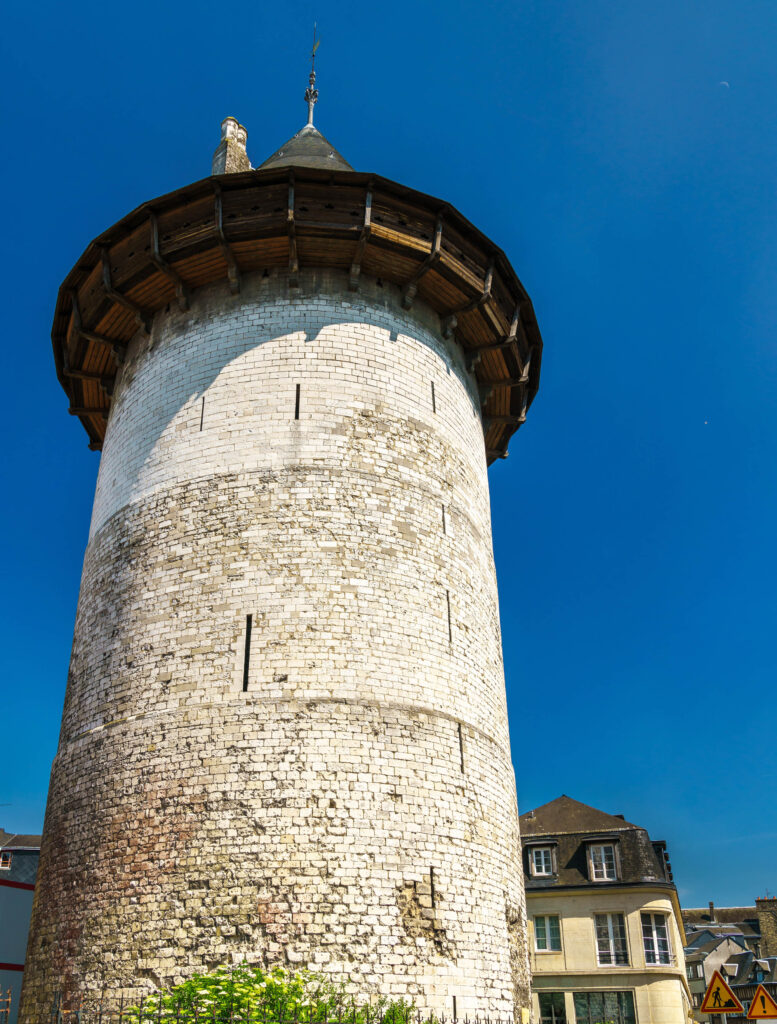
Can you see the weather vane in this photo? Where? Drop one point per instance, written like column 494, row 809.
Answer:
column 311, row 93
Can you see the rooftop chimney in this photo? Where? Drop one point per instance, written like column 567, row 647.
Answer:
column 712, row 911
column 230, row 156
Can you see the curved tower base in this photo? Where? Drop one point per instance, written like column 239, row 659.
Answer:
column 285, row 735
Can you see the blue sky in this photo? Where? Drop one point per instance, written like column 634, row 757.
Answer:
column 625, row 158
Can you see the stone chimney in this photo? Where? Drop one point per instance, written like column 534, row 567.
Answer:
column 231, row 156
column 712, row 911
column 767, row 920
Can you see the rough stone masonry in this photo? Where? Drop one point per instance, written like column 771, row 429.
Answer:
column 285, row 735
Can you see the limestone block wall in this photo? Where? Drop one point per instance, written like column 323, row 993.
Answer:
column 285, row 732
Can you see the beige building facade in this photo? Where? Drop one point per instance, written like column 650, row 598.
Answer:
column 605, row 931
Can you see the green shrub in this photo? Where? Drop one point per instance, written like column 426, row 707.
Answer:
column 251, row 994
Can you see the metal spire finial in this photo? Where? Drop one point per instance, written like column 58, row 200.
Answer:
column 311, row 93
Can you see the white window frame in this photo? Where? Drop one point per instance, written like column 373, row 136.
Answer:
column 612, row 962
column 5, row 860
column 653, row 939
column 546, row 918
column 547, row 851
column 592, row 867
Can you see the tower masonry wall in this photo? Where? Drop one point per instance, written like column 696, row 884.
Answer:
column 285, row 730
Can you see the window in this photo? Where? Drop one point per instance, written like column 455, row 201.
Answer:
column 604, row 1008
column 541, row 860
column 5, row 861
column 655, row 938
column 601, row 860
column 547, row 933
column 552, row 1009
column 697, row 999
column 611, row 945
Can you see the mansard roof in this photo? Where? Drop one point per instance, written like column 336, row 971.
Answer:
column 564, row 815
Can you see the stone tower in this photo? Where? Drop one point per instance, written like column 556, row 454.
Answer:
column 285, row 732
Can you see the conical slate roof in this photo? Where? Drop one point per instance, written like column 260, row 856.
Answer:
column 308, row 148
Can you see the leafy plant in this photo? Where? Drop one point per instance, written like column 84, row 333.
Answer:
column 245, row 994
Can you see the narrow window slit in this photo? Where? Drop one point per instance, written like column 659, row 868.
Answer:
column 296, row 404
column 444, row 523
column 455, row 1014
column 461, row 747
column 448, row 604
column 202, row 412
column 434, row 399
column 431, row 885
column 247, row 658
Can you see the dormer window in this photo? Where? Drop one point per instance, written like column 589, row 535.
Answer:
column 602, row 862
column 541, row 861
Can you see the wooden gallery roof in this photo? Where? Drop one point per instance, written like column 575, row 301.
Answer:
column 233, row 224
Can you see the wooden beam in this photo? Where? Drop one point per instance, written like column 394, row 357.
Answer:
column 181, row 291
column 233, row 273
column 361, row 245
column 292, row 230
column 488, row 420
column 118, row 348
column 484, row 296
column 88, row 411
column 516, row 336
column 507, row 382
column 410, row 289
column 495, row 453
column 105, row 383
column 141, row 315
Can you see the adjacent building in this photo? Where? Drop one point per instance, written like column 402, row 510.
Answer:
column 740, row 942
column 704, row 924
column 605, row 928
column 18, row 868
column 702, row 959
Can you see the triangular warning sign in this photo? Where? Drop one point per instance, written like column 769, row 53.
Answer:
column 763, row 1006
column 719, row 998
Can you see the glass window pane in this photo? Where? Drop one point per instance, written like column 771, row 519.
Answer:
column 540, row 934
column 609, row 861
column 626, row 1004
column 604, row 1008
column 552, row 1008
column 555, row 933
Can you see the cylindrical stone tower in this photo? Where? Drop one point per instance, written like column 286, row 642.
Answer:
column 285, row 732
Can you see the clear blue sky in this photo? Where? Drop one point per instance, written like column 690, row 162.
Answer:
column 624, row 155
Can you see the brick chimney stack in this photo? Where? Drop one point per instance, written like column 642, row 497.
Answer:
column 767, row 920
column 712, row 911
column 230, row 156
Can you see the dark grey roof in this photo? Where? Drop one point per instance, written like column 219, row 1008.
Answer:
column 721, row 915
column 569, row 826
column 702, row 951
column 308, row 148
column 565, row 815
column 15, row 841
